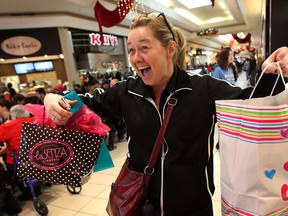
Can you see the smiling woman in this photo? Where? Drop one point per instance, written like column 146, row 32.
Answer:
column 154, row 59
column 182, row 181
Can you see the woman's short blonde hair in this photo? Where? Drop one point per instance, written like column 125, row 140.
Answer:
column 165, row 32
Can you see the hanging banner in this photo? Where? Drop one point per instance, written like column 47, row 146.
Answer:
column 109, row 18
column 247, row 39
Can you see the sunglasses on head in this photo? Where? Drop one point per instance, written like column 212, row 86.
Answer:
column 167, row 24
column 165, row 20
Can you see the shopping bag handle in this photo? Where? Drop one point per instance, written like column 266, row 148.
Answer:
column 261, row 75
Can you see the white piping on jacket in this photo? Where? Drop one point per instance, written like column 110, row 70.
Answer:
column 162, row 157
column 136, row 94
column 162, row 176
column 209, row 154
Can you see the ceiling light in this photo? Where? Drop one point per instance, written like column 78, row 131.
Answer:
column 219, row 19
column 222, row 5
column 188, row 16
column 216, row 20
column 195, row 4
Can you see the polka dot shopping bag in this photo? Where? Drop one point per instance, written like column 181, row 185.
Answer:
column 57, row 155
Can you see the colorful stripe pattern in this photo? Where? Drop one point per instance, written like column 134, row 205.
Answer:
column 229, row 210
column 257, row 125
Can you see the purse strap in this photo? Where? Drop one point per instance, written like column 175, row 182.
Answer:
column 158, row 143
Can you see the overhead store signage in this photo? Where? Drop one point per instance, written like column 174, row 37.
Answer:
column 108, row 40
column 20, row 45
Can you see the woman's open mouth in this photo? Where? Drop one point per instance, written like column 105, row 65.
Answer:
column 145, row 70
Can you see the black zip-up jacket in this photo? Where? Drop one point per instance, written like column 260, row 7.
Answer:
column 188, row 163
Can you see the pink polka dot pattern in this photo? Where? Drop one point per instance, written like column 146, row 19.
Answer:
column 85, row 147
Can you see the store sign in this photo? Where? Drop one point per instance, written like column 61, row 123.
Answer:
column 20, row 45
column 108, row 40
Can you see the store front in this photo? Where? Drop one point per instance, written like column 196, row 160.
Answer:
column 99, row 58
column 197, row 60
column 31, row 58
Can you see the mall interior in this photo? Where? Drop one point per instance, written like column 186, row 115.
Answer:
column 56, row 44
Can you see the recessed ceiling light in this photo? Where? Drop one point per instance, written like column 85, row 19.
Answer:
column 195, row 3
column 216, row 20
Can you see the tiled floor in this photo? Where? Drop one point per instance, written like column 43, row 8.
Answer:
column 92, row 200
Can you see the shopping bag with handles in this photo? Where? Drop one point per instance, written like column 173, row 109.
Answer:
column 57, row 155
column 253, row 155
column 63, row 155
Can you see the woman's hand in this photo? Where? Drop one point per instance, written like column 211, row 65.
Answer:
column 281, row 56
column 58, row 109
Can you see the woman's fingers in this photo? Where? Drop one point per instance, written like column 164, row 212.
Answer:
column 66, row 104
column 281, row 56
column 57, row 109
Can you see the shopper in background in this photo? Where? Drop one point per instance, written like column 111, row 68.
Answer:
column 4, row 92
column 10, row 132
column 259, row 65
column 235, row 70
column 118, row 75
column 4, row 117
column 246, row 68
column 40, row 93
column 11, row 89
column 127, row 73
column 252, row 70
column 182, row 182
column 18, row 99
column 87, row 81
column 113, row 82
column 216, row 64
column 105, row 84
column 225, row 71
column 4, row 110
column 209, row 67
column 78, row 89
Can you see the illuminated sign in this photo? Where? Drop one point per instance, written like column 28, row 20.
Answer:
column 20, row 45
column 108, row 40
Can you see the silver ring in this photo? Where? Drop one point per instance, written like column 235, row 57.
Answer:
column 53, row 118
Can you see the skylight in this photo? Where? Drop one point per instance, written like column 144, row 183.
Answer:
column 195, row 3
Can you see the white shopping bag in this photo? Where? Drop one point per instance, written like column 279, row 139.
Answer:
column 254, row 155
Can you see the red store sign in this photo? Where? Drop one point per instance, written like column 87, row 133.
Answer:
column 108, row 40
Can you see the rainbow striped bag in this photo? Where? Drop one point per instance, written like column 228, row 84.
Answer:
column 254, row 155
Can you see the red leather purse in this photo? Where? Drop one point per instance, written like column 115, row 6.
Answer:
column 129, row 192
